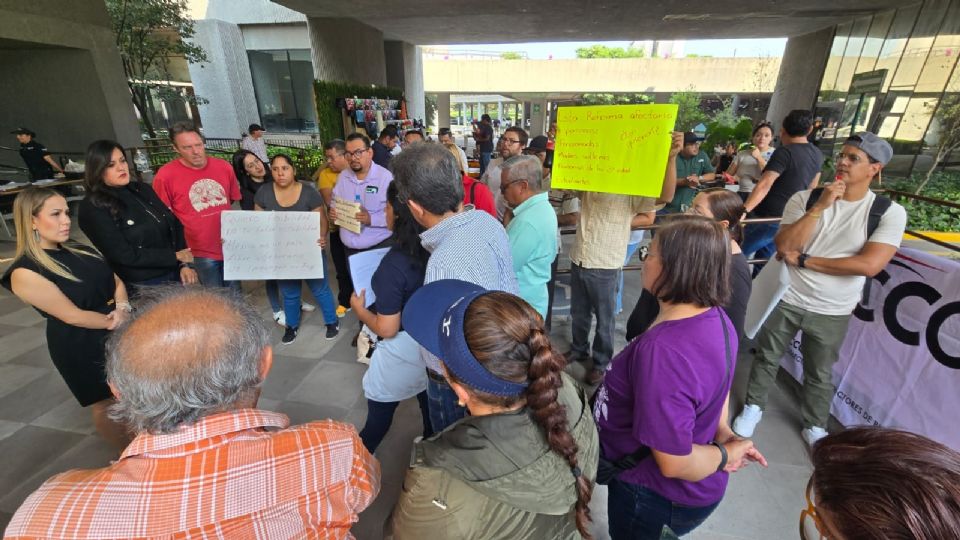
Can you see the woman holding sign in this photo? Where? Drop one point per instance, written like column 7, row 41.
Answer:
column 287, row 194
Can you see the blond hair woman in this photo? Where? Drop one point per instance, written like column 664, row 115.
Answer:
column 76, row 291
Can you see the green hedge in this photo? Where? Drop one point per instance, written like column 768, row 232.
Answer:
column 922, row 216
column 329, row 122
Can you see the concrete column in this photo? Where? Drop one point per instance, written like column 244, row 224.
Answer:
column 443, row 110
column 804, row 60
column 346, row 50
column 538, row 114
column 224, row 81
column 404, row 69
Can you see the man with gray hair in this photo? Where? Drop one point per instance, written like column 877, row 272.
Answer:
column 465, row 244
column 532, row 231
column 186, row 372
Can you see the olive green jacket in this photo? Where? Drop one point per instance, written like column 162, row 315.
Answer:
column 494, row 476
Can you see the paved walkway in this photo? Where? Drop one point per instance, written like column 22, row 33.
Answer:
column 43, row 431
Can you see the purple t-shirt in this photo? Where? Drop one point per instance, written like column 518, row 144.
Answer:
column 654, row 394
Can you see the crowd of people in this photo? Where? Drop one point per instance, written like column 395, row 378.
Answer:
column 512, row 445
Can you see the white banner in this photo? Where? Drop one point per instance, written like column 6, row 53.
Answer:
column 900, row 362
column 271, row 245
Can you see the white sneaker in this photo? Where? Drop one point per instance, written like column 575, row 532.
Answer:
column 747, row 421
column 813, row 434
column 304, row 306
column 280, row 318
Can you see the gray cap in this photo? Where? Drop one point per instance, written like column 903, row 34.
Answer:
column 873, row 146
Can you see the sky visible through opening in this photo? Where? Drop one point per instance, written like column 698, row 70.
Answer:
column 702, row 47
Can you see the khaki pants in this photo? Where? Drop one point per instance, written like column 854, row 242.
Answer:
column 820, row 345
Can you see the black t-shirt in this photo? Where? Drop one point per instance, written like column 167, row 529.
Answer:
column 33, row 153
column 395, row 281
column 797, row 164
column 381, row 154
column 485, row 131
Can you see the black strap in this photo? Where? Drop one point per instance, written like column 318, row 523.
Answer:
column 473, row 188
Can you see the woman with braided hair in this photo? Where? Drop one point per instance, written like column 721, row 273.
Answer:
column 522, row 464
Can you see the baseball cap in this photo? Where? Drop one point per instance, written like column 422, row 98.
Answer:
column 434, row 318
column 873, row 146
column 537, row 144
column 23, row 131
column 255, row 127
column 690, row 137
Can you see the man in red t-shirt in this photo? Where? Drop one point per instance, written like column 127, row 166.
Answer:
column 197, row 188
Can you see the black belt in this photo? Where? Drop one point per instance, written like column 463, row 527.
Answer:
column 436, row 377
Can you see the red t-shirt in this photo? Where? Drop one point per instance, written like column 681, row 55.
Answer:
column 482, row 198
column 197, row 197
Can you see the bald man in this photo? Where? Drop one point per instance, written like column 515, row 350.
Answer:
column 186, row 372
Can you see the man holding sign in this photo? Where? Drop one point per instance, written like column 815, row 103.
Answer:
column 606, row 218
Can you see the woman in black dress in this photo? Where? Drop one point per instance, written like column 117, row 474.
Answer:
column 76, row 291
column 137, row 234
column 252, row 175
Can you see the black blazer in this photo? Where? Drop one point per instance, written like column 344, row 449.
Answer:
column 141, row 241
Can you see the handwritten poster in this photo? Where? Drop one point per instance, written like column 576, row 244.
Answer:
column 271, row 245
column 613, row 148
column 347, row 214
column 362, row 267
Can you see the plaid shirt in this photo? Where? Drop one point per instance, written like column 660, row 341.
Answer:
column 238, row 474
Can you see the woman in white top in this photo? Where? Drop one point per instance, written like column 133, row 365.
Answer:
column 749, row 163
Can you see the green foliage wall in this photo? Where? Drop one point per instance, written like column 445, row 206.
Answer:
column 329, row 122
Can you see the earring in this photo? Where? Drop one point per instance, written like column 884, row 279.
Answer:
column 461, row 403
column 36, row 235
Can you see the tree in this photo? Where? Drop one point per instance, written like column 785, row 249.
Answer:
column 602, row 51
column 948, row 120
column 615, row 99
column 149, row 33
column 511, row 55
column 689, row 113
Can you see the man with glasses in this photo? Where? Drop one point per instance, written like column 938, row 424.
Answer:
column 693, row 171
column 512, row 143
column 830, row 239
column 335, row 154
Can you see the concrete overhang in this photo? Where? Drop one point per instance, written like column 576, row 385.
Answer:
column 436, row 22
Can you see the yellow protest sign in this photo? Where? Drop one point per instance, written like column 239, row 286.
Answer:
column 613, row 148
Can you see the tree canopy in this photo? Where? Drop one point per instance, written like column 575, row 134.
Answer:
column 602, row 51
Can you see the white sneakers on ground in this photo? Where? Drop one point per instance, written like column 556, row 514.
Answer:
column 304, row 306
column 280, row 318
column 813, row 434
column 744, row 424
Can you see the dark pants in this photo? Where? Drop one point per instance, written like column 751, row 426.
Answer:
column 172, row 276
column 380, row 417
column 551, row 292
column 758, row 242
column 593, row 292
column 484, row 161
column 338, row 252
column 210, row 272
column 637, row 513
column 442, row 402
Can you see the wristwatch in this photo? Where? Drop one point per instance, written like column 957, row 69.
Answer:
column 802, row 260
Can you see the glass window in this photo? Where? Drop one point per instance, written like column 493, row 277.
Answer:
column 873, row 43
column 283, row 85
column 896, row 41
column 915, row 120
column 851, row 57
column 918, row 46
column 829, row 83
column 943, row 54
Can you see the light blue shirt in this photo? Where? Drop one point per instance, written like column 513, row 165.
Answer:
column 533, row 244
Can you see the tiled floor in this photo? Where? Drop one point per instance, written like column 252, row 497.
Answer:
column 43, row 431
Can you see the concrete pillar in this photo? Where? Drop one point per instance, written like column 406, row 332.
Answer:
column 804, row 60
column 346, row 50
column 404, row 69
column 224, row 81
column 538, row 115
column 463, row 114
column 443, row 110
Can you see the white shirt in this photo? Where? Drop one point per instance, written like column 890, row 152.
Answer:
column 840, row 232
column 257, row 146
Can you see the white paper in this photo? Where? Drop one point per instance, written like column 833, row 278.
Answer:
column 271, row 245
column 362, row 267
column 768, row 288
column 347, row 214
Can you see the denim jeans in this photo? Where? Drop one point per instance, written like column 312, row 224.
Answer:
column 637, row 513
column 273, row 295
column 290, row 290
column 593, row 291
column 380, row 416
column 484, row 161
column 210, row 272
column 758, row 242
column 442, row 401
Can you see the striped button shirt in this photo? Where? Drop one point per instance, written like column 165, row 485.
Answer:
column 470, row 246
column 239, row 474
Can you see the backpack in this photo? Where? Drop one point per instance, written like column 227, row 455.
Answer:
column 877, row 209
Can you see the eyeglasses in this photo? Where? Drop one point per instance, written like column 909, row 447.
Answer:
column 356, row 154
column 503, row 187
column 811, row 527
column 852, row 158
column 510, row 141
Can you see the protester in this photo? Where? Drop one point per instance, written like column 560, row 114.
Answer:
column 252, row 174
column 474, row 192
column 672, row 426
column 532, row 230
column 877, row 483
column 463, row 243
column 136, row 233
column 255, row 143
column 396, row 371
column 384, row 145
column 413, row 136
column 794, row 166
column 445, row 136
column 724, row 160
column 749, row 163
column 512, row 143
column 78, row 294
column 596, row 260
column 39, row 161
column 198, row 188
column 828, row 245
column 287, row 194
column 206, row 462
column 364, row 182
column 693, row 169
column 335, row 162
column 726, row 208
column 522, row 464
column 483, row 135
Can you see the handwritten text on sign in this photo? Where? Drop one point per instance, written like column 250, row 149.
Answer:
column 613, row 148
column 271, row 245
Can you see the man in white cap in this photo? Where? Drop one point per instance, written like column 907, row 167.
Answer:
column 830, row 239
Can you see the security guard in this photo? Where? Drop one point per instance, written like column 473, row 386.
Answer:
column 39, row 161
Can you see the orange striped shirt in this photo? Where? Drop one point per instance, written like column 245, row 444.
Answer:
column 239, row 474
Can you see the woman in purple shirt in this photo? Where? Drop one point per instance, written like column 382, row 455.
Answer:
column 664, row 397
